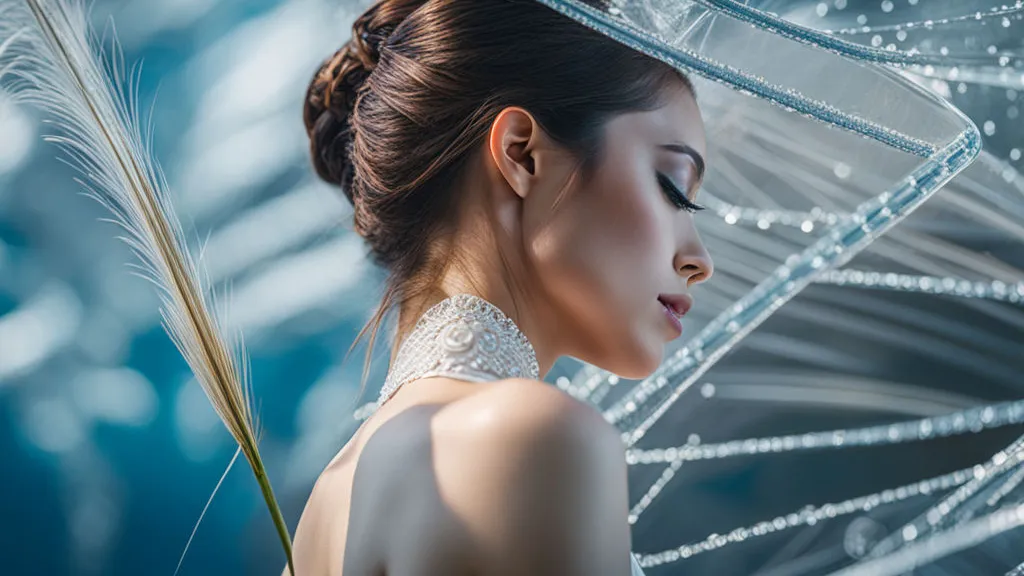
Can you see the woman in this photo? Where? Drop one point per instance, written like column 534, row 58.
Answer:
column 529, row 186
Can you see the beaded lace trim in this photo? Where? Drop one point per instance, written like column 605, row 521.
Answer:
column 463, row 337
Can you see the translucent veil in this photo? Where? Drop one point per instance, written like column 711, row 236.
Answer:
column 844, row 277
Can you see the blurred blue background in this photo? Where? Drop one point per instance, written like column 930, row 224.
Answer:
column 110, row 447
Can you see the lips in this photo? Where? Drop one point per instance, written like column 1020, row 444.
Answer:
column 678, row 304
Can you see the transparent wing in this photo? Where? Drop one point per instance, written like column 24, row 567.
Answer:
column 837, row 265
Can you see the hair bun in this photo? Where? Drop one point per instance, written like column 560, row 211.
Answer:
column 330, row 99
column 335, row 88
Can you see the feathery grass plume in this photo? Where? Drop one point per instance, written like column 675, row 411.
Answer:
column 52, row 59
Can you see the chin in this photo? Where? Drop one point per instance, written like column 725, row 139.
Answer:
column 641, row 370
column 640, row 364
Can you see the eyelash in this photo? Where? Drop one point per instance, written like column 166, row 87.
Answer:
column 676, row 196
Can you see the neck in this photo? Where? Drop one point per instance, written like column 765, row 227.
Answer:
column 472, row 271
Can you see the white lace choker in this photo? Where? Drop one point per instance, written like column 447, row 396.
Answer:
column 466, row 338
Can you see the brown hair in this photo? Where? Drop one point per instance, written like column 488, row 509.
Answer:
column 393, row 115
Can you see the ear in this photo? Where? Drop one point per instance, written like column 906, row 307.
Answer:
column 513, row 144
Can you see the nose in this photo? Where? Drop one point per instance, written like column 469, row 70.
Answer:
column 695, row 264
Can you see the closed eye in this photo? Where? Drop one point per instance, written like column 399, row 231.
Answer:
column 676, row 196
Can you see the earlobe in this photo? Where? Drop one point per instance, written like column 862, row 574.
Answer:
column 511, row 145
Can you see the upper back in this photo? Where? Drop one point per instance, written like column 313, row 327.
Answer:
column 507, row 477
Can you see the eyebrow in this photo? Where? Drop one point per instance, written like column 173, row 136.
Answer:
column 689, row 151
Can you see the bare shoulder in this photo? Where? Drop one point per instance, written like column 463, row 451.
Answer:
column 539, row 480
column 529, row 407
column 528, row 416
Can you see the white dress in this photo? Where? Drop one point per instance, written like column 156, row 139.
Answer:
column 467, row 338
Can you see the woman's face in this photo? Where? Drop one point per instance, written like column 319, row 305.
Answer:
column 611, row 249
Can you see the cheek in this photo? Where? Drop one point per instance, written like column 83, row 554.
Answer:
column 619, row 240
column 609, row 234
column 598, row 262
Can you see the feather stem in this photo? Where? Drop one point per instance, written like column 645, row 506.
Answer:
column 52, row 58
